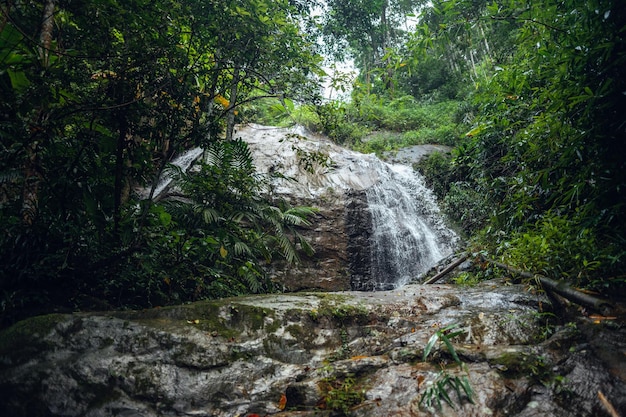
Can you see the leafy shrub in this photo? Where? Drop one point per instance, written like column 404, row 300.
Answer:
column 466, row 206
column 438, row 172
column 558, row 247
column 334, row 123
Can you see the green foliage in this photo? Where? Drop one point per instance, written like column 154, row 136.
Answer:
column 467, row 206
column 370, row 31
column 539, row 169
column 335, row 123
column 467, row 278
column 445, row 381
column 558, row 247
column 341, row 394
column 97, row 111
column 393, row 126
column 438, row 172
column 211, row 240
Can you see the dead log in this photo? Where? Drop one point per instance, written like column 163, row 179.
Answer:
column 559, row 287
column 447, row 270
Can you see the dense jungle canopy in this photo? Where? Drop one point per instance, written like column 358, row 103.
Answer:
column 99, row 95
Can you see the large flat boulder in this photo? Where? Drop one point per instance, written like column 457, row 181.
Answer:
column 311, row 354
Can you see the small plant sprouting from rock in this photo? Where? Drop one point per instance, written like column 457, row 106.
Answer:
column 341, row 394
column 445, row 381
column 309, row 160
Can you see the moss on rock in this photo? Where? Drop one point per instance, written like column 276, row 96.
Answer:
column 22, row 340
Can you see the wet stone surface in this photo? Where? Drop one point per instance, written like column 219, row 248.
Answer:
column 316, row 354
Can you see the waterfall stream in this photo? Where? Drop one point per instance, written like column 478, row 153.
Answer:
column 409, row 235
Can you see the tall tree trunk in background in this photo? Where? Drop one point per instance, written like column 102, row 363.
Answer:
column 487, row 49
column 32, row 177
column 119, row 172
column 388, row 80
column 45, row 36
column 230, row 116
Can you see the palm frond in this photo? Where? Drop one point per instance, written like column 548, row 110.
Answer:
column 287, row 249
column 210, row 215
column 305, row 244
column 240, row 154
column 295, row 220
column 214, row 154
column 10, row 176
column 240, row 248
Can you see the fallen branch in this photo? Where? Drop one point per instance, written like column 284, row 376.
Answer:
column 607, row 405
column 559, row 287
column 447, row 270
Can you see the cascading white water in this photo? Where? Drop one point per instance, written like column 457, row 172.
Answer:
column 409, row 235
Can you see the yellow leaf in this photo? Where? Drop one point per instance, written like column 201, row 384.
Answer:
column 223, row 101
column 223, row 252
column 167, row 280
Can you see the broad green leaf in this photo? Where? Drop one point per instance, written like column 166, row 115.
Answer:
column 19, row 81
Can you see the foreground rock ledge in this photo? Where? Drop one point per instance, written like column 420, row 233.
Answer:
column 307, row 354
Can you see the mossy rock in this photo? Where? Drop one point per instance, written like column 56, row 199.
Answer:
column 24, row 339
column 516, row 364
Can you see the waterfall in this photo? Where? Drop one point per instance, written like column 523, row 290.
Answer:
column 391, row 225
column 409, row 234
column 389, row 218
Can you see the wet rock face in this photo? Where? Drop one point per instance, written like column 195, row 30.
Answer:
column 328, row 268
column 359, row 232
column 312, row 354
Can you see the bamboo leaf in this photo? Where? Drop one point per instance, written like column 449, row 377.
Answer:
column 441, row 386
column 429, row 346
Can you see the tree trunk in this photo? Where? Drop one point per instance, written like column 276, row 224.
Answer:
column 230, row 116
column 45, row 36
column 447, row 270
column 119, row 172
column 388, row 74
column 560, row 288
column 32, row 177
column 487, row 49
